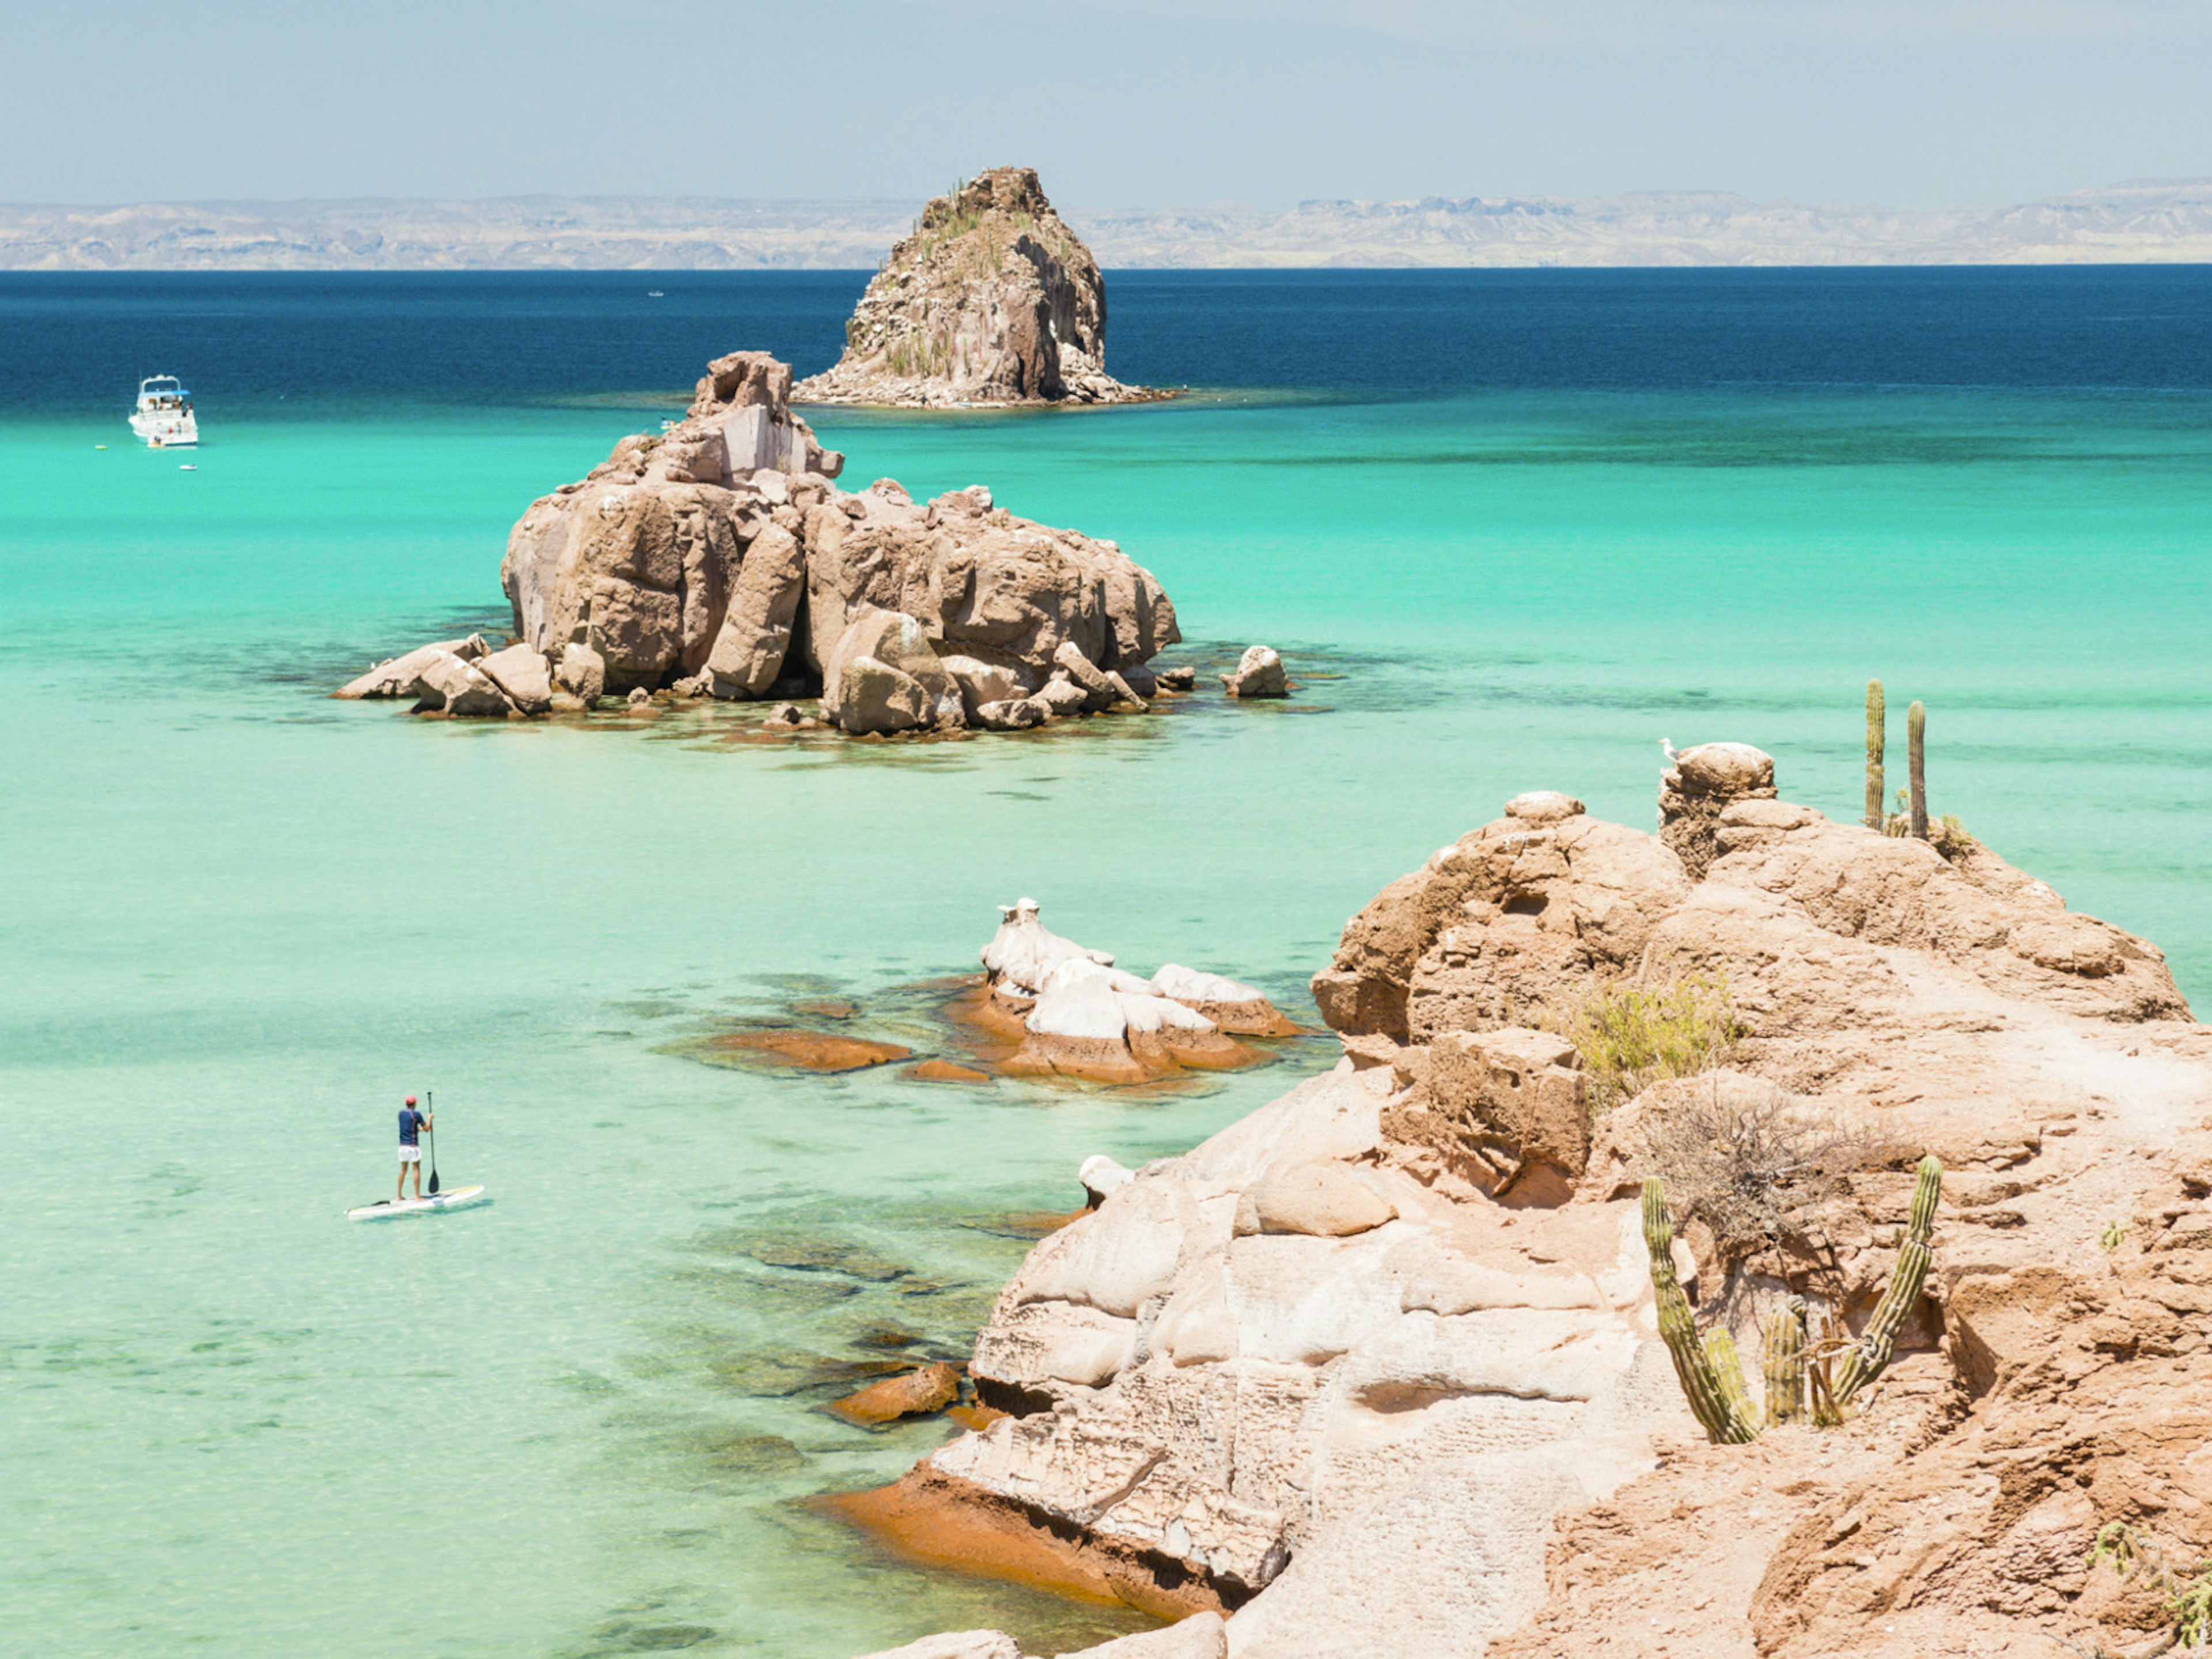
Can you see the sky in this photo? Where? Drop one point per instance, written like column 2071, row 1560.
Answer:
column 1118, row 103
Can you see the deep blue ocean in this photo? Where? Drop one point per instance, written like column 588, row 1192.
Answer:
column 1510, row 530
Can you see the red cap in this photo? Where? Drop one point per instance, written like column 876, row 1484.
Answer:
column 411, row 1100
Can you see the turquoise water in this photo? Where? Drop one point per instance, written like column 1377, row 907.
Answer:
column 239, row 921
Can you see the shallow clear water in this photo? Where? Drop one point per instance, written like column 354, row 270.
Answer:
column 1510, row 533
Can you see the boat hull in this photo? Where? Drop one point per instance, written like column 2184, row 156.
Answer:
column 166, row 431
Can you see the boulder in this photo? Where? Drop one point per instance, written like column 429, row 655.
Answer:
column 1494, row 1104
column 1259, row 674
column 1100, row 1175
column 1062, row 697
column 873, row 697
column 1099, row 691
column 982, row 682
column 1024, row 952
column 884, row 676
column 992, row 299
column 754, row 636
column 916, row 1394
column 1182, row 678
column 1702, row 783
column 1321, row 1199
column 582, row 673
column 1234, row 1006
column 447, row 685
column 1020, row 716
column 1543, row 806
column 521, row 671
column 396, row 677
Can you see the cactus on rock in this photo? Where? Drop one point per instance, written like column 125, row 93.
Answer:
column 1803, row 1378
column 1877, row 720
column 1915, row 725
column 1869, row 1356
column 1785, row 1363
column 1726, row 1416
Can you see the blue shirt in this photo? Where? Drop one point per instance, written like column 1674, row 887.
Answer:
column 409, row 1122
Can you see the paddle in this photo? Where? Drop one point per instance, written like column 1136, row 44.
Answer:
column 431, row 1100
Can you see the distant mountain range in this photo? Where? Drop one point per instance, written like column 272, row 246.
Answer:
column 2164, row 222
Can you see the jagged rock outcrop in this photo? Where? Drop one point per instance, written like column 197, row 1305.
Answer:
column 719, row 559
column 1077, row 1015
column 1376, row 1369
column 993, row 300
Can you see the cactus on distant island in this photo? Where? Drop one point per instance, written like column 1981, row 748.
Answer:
column 1869, row 1356
column 1915, row 725
column 1727, row 1418
column 1877, row 720
column 1785, row 1363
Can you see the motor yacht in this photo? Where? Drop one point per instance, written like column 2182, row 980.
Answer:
column 164, row 415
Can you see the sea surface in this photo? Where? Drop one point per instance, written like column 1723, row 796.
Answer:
column 1510, row 530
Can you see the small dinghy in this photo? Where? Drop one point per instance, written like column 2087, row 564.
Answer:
column 385, row 1208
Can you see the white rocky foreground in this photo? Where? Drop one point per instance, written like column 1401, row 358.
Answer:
column 1277, row 1362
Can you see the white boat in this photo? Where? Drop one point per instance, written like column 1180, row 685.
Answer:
column 164, row 415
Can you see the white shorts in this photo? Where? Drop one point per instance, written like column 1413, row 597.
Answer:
column 411, row 1154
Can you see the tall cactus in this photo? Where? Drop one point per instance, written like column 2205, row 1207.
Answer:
column 1726, row 1414
column 1877, row 721
column 1785, row 1363
column 1915, row 725
column 1869, row 1356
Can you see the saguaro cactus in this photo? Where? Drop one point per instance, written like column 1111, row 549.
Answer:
column 1877, row 721
column 1785, row 1362
column 1915, row 725
column 1711, row 1379
column 1869, row 1356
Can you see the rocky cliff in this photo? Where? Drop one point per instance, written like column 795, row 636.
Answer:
column 1376, row 1369
column 993, row 300
column 719, row 559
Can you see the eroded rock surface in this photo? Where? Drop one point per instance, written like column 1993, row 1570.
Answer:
column 1376, row 1370
column 993, row 300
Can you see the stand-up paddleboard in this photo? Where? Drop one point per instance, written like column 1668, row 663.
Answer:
column 385, row 1208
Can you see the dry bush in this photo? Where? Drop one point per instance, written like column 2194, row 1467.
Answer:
column 1629, row 1037
column 1754, row 1165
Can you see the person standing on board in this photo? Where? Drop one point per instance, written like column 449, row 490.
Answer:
column 411, row 1124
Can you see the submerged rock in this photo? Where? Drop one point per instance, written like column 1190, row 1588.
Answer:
column 809, row 1051
column 916, row 1394
column 993, row 300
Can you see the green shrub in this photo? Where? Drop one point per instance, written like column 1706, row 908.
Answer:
column 1629, row 1036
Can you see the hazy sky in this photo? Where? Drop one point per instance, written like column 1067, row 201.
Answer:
column 1138, row 103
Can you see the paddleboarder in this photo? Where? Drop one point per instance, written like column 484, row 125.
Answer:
column 411, row 1125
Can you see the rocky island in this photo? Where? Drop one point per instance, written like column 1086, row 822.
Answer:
column 992, row 300
column 718, row 559
column 1399, row 1364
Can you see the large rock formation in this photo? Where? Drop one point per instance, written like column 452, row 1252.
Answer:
column 720, row 558
column 992, row 299
column 1376, row 1370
